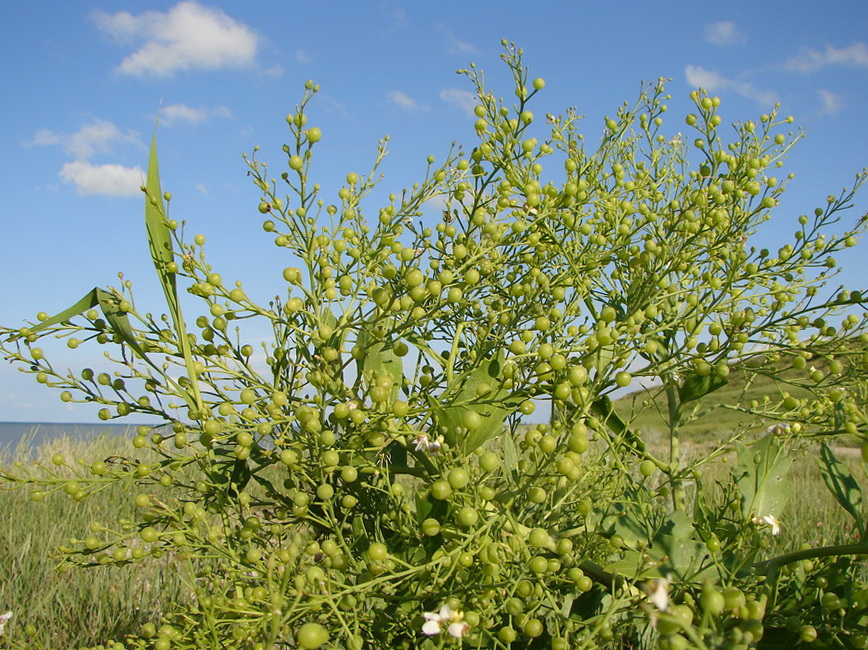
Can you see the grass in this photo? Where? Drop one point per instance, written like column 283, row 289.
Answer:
column 811, row 516
column 68, row 607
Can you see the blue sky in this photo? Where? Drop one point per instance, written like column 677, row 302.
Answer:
column 83, row 82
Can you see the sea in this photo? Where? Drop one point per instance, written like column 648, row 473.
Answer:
column 37, row 432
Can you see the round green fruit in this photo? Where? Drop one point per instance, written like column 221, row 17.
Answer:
column 311, row 636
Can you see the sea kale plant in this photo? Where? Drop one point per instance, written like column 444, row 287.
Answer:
column 362, row 479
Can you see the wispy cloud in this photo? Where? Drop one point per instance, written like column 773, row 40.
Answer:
column 831, row 103
column 175, row 114
column 188, row 36
column 97, row 137
column 711, row 81
column 724, row 32
column 808, row 60
column 453, row 44
column 392, row 17
column 402, row 100
column 463, row 99
column 301, row 56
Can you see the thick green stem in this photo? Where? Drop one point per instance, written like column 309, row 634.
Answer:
column 772, row 566
column 674, row 447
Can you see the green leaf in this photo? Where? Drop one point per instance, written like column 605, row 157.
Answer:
column 696, row 386
column 89, row 301
column 379, row 359
column 159, row 233
column 761, row 477
column 686, row 559
column 605, row 410
column 120, row 323
column 109, row 303
column 841, row 484
column 494, row 406
column 162, row 252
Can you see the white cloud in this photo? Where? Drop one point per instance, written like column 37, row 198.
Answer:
column 176, row 113
column 831, row 102
column 711, row 81
column 109, row 180
column 463, row 99
column 301, row 56
column 808, row 60
column 188, row 36
column 97, row 137
column 402, row 100
column 724, row 33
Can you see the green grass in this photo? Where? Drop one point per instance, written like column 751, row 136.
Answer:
column 71, row 607
column 811, row 516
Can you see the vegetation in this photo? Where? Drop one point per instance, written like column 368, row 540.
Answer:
column 723, row 411
column 367, row 484
column 56, row 606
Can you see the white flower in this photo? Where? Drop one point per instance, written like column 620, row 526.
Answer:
column 424, row 443
column 658, row 592
column 778, row 429
column 4, row 619
column 454, row 622
column 770, row 520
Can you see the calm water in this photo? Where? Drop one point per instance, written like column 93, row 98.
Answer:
column 11, row 432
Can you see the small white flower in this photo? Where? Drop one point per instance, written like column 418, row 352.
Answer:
column 658, row 592
column 424, row 443
column 769, row 520
column 778, row 429
column 454, row 622
column 4, row 619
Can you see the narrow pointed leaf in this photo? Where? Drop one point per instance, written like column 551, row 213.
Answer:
column 119, row 321
column 88, row 302
column 162, row 252
column 159, row 234
column 696, row 386
column 109, row 303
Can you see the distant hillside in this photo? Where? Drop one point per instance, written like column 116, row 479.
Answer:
column 713, row 418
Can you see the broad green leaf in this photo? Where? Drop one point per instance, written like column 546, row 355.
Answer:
column 494, row 406
column 841, row 484
column 379, row 359
column 678, row 525
column 423, row 506
column 686, row 559
column 761, row 476
column 696, row 386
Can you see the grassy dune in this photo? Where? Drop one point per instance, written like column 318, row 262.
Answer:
column 69, row 607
